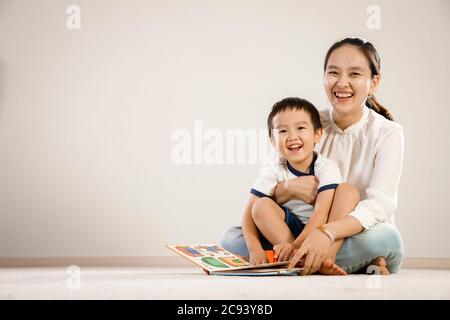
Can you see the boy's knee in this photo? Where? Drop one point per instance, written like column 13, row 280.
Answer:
column 349, row 191
column 259, row 206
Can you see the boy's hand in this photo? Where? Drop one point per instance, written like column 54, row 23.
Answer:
column 258, row 256
column 284, row 251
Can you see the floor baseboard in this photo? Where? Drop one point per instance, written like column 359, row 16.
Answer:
column 426, row 263
column 165, row 261
column 142, row 261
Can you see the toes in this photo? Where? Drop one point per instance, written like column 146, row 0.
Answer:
column 331, row 269
column 339, row 270
column 384, row 271
column 380, row 261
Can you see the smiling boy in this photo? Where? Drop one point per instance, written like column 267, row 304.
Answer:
column 294, row 129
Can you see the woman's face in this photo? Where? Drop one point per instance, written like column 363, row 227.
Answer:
column 348, row 80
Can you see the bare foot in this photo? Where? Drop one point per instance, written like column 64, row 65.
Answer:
column 379, row 262
column 331, row 269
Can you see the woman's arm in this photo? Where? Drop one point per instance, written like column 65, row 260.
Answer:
column 345, row 227
column 380, row 200
column 381, row 196
column 313, row 243
column 320, row 215
column 317, row 244
column 303, row 188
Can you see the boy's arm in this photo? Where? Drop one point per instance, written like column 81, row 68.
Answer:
column 249, row 229
column 303, row 188
column 320, row 216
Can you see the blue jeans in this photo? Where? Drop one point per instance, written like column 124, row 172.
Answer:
column 382, row 240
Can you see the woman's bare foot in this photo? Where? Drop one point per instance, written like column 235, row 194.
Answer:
column 331, row 269
column 379, row 262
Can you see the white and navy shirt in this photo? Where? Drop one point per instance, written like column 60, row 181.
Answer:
column 279, row 170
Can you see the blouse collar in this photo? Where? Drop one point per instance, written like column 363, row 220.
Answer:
column 354, row 127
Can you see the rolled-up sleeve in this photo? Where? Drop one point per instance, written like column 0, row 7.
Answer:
column 382, row 192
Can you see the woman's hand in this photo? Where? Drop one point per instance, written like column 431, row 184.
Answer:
column 258, row 256
column 315, row 247
column 303, row 188
column 284, row 251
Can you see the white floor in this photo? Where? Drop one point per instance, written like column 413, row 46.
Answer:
column 188, row 282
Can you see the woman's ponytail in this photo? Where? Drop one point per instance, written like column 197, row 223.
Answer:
column 373, row 104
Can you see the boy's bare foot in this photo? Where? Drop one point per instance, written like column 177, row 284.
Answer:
column 331, row 269
column 380, row 262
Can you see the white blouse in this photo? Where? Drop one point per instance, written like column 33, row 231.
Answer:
column 369, row 154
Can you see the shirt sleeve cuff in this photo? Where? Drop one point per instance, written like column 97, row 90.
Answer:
column 328, row 187
column 258, row 193
column 365, row 218
column 369, row 213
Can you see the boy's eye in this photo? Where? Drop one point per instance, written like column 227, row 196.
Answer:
column 301, row 128
column 282, row 131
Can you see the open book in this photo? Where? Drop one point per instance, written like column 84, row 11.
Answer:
column 215, row 260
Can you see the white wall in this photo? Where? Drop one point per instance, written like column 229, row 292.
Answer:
column 86, row 116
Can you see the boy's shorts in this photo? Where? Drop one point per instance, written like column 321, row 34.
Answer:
column 294, row 224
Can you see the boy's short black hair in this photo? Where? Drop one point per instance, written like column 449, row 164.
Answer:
column 294, row 103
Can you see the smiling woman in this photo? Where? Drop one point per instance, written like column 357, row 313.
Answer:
column 352, row 75
column 360, row 136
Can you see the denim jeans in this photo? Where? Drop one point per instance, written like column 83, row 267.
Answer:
column 382, row 240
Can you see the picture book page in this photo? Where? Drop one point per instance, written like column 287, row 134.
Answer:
column 210, row 257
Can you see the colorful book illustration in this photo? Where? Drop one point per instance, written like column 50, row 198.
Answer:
column 217, row 261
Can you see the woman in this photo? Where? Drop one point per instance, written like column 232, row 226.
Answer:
column 361, row 136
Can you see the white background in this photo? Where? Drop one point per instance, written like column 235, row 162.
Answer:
column 86, row 116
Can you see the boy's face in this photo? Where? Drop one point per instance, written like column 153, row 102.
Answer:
column 294, row 135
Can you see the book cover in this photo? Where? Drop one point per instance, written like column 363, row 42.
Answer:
column 213, row 259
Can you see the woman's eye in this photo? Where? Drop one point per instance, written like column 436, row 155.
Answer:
column 354, row 74
column 332, row 72
column 282, row 131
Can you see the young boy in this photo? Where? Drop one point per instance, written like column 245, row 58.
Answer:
column 294, row 129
